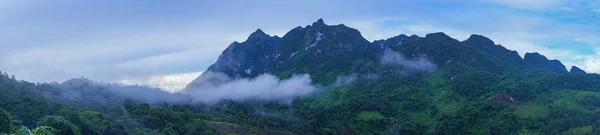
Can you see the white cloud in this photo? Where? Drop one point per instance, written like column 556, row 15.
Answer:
column 566, row 9
column 395, row 58
column 212, row 87
column 172, row 83
column 592, row 63
column 584, row 40
column 112, row 54
column 529, row 4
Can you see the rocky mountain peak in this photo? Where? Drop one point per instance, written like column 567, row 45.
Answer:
column 479, row 40
column 258, row 34
column 319, row 22
column 576, row 69
column 438, row 36
column 541, row 61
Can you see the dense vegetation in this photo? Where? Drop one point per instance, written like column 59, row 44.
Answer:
column 477, row 87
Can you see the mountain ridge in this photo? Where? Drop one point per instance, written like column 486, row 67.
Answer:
column 262, row 53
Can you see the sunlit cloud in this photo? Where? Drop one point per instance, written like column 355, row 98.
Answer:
column 172, row 83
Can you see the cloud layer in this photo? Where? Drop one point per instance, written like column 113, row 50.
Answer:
column 217, row 86
column 395, row 58
column 172, row 83
column 212, row 87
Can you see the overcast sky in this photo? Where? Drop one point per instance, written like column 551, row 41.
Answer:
column 168, row 43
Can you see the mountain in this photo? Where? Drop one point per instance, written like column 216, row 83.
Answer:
column 338, row 49
column 413, row 85
column 313, row 49
column 401, row 85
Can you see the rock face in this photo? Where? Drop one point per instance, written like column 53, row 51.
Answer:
column 390, row 42
column 241, row 59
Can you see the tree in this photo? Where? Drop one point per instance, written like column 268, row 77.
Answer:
column 596, row 128
column 197, row 127
column 168, row 131
column 5, row 121
column 137, row 131
column 43, row 130
column 527, row 132
column 62, row 126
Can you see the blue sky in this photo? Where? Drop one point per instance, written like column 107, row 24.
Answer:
column 168, row 43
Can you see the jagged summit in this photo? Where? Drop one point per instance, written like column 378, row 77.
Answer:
column 541, row 61
column 314, row 47
column 532, row 56
column 258, row 34
column 390, row 42
column 575, row 69
column 438, row 36
column 485, row 44
column 319, row 22
column 400, row 36
column 261, row 49
column 476, row 39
